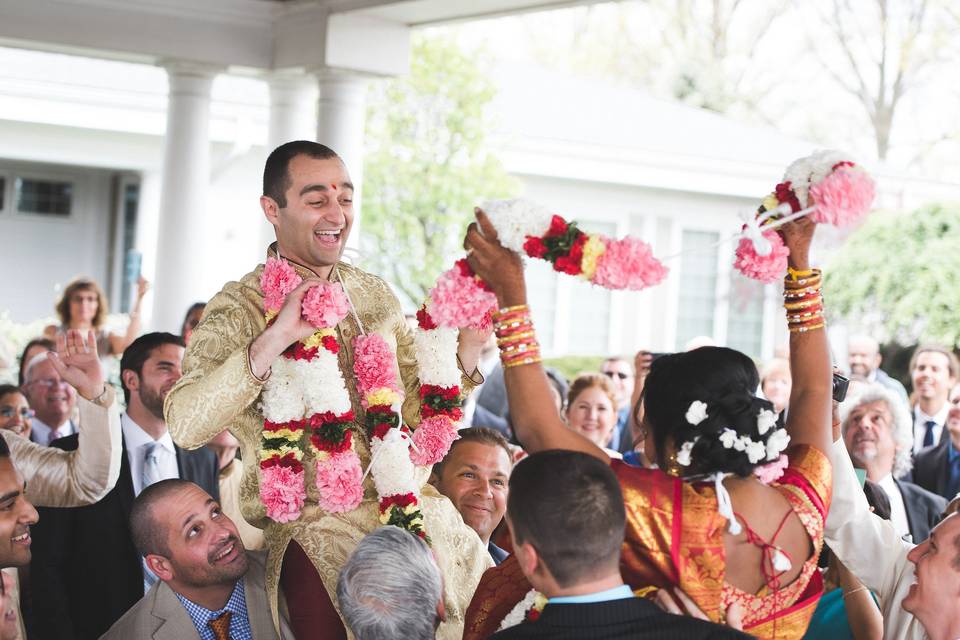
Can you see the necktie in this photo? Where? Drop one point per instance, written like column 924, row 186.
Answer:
column 54, row 434
column 221, row 626
column 151, row 465
column 928, row 435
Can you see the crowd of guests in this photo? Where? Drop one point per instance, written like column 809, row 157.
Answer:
column 680, row 495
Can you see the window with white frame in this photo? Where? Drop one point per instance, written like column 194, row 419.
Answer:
column 542, row 297
column 745, row 315
column 698, row 286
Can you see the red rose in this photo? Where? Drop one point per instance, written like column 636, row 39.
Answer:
column 381, row 430
column 534, row 247
column 558, row 227
column 330, row 344
column 465, row 269
column 566, row 264
column 576, row 251
column 399, row 500
column 784, row 193
column 424, row 320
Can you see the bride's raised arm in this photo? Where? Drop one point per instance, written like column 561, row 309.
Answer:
column 536, row 421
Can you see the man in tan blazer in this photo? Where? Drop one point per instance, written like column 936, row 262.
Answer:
column 210, row 586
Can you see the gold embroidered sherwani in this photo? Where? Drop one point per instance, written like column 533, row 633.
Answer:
column 218, row 391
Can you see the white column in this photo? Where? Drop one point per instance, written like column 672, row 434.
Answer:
column 293, row 116
column 186, row 176
column 340, row 125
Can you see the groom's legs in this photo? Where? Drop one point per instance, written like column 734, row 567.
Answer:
column 312, row 614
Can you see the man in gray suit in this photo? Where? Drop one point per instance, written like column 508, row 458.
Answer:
column 210, row 586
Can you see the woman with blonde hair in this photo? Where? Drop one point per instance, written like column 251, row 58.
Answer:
column 83, row 307
column 592, row 409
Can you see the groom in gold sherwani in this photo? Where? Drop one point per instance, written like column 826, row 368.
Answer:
column 308, row 198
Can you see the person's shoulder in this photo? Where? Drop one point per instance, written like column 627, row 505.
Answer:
column 134, row 623
column 916, row 494
column 924, row 458
column 67, row 443
column 354, row 276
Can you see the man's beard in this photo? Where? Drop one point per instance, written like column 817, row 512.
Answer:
column 153, row 401
column 863, row 455
column 210, row 574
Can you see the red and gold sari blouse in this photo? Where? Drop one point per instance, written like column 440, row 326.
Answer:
column 674, row 536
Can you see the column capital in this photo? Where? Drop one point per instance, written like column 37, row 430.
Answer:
column 187, row 77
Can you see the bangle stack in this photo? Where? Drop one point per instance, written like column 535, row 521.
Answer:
column 516, row 338
column 803, row 300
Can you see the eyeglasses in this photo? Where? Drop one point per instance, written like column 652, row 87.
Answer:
column 618, row 374
column 50, row 383
column 9, row 412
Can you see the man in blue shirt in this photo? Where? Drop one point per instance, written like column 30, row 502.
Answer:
column 210, row 587
column 567, row 520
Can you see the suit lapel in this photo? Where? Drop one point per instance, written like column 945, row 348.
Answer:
column 942, row 464
column 258, row 610
column 173, row 622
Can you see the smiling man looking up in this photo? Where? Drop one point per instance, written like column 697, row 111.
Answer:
column 308, row 198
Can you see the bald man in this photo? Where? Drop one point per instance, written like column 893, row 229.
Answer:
column 863, row 356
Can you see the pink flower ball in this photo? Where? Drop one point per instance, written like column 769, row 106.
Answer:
column 628, row 264
column 433, row 439
column 339, row 482
column 459, row 301
column 278, row 279
column 373, row 364
column 763, row 268
column 282, row 492
column 325, row 305
column 772, row 471
column 843, row 197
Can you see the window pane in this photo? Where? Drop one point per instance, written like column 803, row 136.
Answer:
column 44, row 196
column 589, row 319
column 745, row 314
column 542, row 296
column 698, row 286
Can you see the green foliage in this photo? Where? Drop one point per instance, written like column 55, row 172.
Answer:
column 571, row 366
column 426, row 165
column 898, row 276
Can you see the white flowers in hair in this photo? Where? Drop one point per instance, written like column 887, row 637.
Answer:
column 683, row 456
column 697, row 412
column 766, row 419
column 776, row 443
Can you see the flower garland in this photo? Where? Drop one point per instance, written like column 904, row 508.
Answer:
column 836, row 190
column 307, row 390
column 461, row 299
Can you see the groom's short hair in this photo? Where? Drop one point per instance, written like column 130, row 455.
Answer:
column 569, row 507
column 276, row 178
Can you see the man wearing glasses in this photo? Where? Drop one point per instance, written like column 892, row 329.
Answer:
column 51, row 397
column 620, row 373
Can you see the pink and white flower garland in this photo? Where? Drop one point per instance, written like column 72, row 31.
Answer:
column 837, row 191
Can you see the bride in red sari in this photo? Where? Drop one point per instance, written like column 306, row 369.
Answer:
column 732, row 516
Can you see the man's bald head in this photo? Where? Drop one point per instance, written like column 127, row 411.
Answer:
column 148, row 531
column 863, row 353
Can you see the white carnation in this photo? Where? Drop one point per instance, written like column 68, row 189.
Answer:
column 519, row 613
column 728, row 438
column 755, row 451
column 697, row 412
column 776, row 443
column 282, row 399
column 683, row 456
column 798, row 175
column 516, row 219
column 766, row 420
column 391, row 468
column 437, row 356
column 321, row 384
column 823, row 162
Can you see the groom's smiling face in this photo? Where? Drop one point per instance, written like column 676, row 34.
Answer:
column 315, row 221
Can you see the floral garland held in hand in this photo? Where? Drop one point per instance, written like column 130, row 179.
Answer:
column 837, row 191
column 461, row 299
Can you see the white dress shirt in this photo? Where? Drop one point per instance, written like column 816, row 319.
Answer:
column 920, row 425
column 898, row 511
column 40, row 431
column 871, row 548
column 136, row 441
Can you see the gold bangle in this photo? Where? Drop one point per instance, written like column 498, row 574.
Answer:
column 505, row 310
column 853, row 591
column 515, row 337
column 804, row 329
column 795, row 274
column 803, row 304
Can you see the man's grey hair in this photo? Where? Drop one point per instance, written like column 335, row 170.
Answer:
column 902, row 423
column 390, row 586
column 32, row 363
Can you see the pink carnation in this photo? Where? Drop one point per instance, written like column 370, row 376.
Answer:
column 763, row 268
column 459, row 301
column 432, row 440
column 282, row 492
column 843, row 197
column 325, row 305
column 772, row 471
column 339, row 482
column 628, row 264
column 373, row 364
column 277, row 280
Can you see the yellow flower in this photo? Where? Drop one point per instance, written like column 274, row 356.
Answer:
column 316, row 340
column 383, row 395
column 592, row 250
column 266, row 454
column 770, row 202
column 385, row 517
column 287, row 434
column 411, row 509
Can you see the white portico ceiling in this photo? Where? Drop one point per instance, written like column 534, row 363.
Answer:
column 252, row 34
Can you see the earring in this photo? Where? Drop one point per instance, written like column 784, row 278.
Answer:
column 673, row 467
